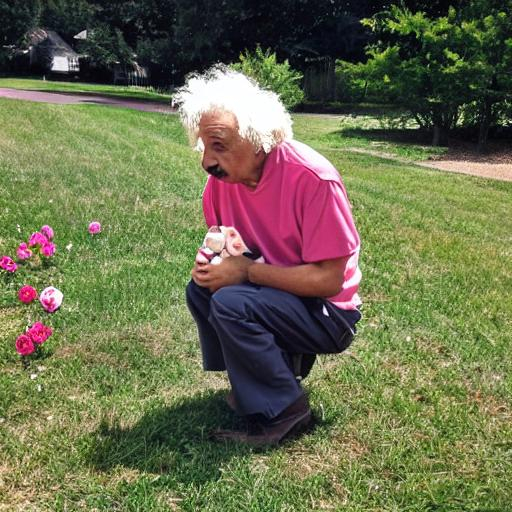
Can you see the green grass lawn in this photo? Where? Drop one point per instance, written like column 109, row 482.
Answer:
column 364, row 133
column 134, row 92
column 416, row 416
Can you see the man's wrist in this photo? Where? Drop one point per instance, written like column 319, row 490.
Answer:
column 250, row 271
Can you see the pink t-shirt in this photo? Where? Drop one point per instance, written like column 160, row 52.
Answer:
column 299, row 213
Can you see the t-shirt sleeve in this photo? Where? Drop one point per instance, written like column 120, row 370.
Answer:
column 210, row 215
column 328, row 229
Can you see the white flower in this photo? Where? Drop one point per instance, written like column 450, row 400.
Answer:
column 51, row 299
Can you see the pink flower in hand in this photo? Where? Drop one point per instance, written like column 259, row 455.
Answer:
column 48, row 249
column 51, row 299
column 39, row 332
column 23, row 251
column 47, row 231
column 94, row 228
column 27, row 294
column 37, row 239
column 24, row 345
column 8, row 264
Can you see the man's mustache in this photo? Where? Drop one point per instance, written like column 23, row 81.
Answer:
column 216, row 171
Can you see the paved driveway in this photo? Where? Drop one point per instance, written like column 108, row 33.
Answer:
column 96, row 99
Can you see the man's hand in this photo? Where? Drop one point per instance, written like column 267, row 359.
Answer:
column 232, row 270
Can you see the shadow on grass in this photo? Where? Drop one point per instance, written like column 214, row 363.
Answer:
column 397, row 135
column 170, row 441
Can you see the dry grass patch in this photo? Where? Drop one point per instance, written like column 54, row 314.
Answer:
column 170, row 501
column 82, row 350
column 489, row 405
column 10, row 322
column 342, row 449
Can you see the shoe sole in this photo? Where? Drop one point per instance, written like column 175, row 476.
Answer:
column 301, row 426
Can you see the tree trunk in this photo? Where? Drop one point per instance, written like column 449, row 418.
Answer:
column 436, row 139
column 485, row 123
column 331, row 79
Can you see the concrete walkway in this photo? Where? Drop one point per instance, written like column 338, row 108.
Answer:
column 79, row 98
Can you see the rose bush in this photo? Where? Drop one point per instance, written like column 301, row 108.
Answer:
column 39, row 243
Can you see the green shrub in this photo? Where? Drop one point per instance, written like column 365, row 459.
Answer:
column 270, row 74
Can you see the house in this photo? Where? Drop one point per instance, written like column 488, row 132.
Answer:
column 130, row 73
column 49, row 51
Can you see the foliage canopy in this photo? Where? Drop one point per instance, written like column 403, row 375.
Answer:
column 269, row 73
column 455, row 68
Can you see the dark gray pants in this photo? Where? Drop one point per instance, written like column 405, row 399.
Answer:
column 250, row 331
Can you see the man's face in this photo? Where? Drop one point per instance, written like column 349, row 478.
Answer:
column 226, row 155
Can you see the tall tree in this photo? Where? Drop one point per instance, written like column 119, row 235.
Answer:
column 437, row 66
column 16, row 19
column 67, row 17
column 491, row 24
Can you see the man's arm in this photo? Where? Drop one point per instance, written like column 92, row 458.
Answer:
column 320, row 279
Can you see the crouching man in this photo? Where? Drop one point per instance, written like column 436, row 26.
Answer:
column 257, row 320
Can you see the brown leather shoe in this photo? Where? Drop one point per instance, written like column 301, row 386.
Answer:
column 293, row 420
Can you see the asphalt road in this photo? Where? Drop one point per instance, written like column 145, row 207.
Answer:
column 79, row 98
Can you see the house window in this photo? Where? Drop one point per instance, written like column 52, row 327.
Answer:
column 73, row 64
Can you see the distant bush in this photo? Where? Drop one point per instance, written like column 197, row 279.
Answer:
column 449, row 71
column 278, row 77
column 351, row 86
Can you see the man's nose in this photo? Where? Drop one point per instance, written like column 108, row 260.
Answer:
column 208, row 160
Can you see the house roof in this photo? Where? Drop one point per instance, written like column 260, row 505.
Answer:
column 81, row 35
column 50, row 39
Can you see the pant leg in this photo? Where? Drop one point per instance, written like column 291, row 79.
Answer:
column 256, row 327
column 198, row 301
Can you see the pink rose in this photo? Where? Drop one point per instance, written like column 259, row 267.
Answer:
column 94, row 228
column 51, row 299
column 37, row 239
column 8, row 264
column 48, row 249
column 47, row 231
column 27, row 294
column 23, row 251
column 39, row 332
column 24, row 345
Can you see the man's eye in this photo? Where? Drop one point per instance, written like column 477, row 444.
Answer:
column 218, row 146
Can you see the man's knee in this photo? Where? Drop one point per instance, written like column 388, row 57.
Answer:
column 232, row 301
column 195, row 293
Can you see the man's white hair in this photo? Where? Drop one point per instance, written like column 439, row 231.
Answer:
column 261, row 116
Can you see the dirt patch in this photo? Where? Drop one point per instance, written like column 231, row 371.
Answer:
column 484, row 170
column 495, row 163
